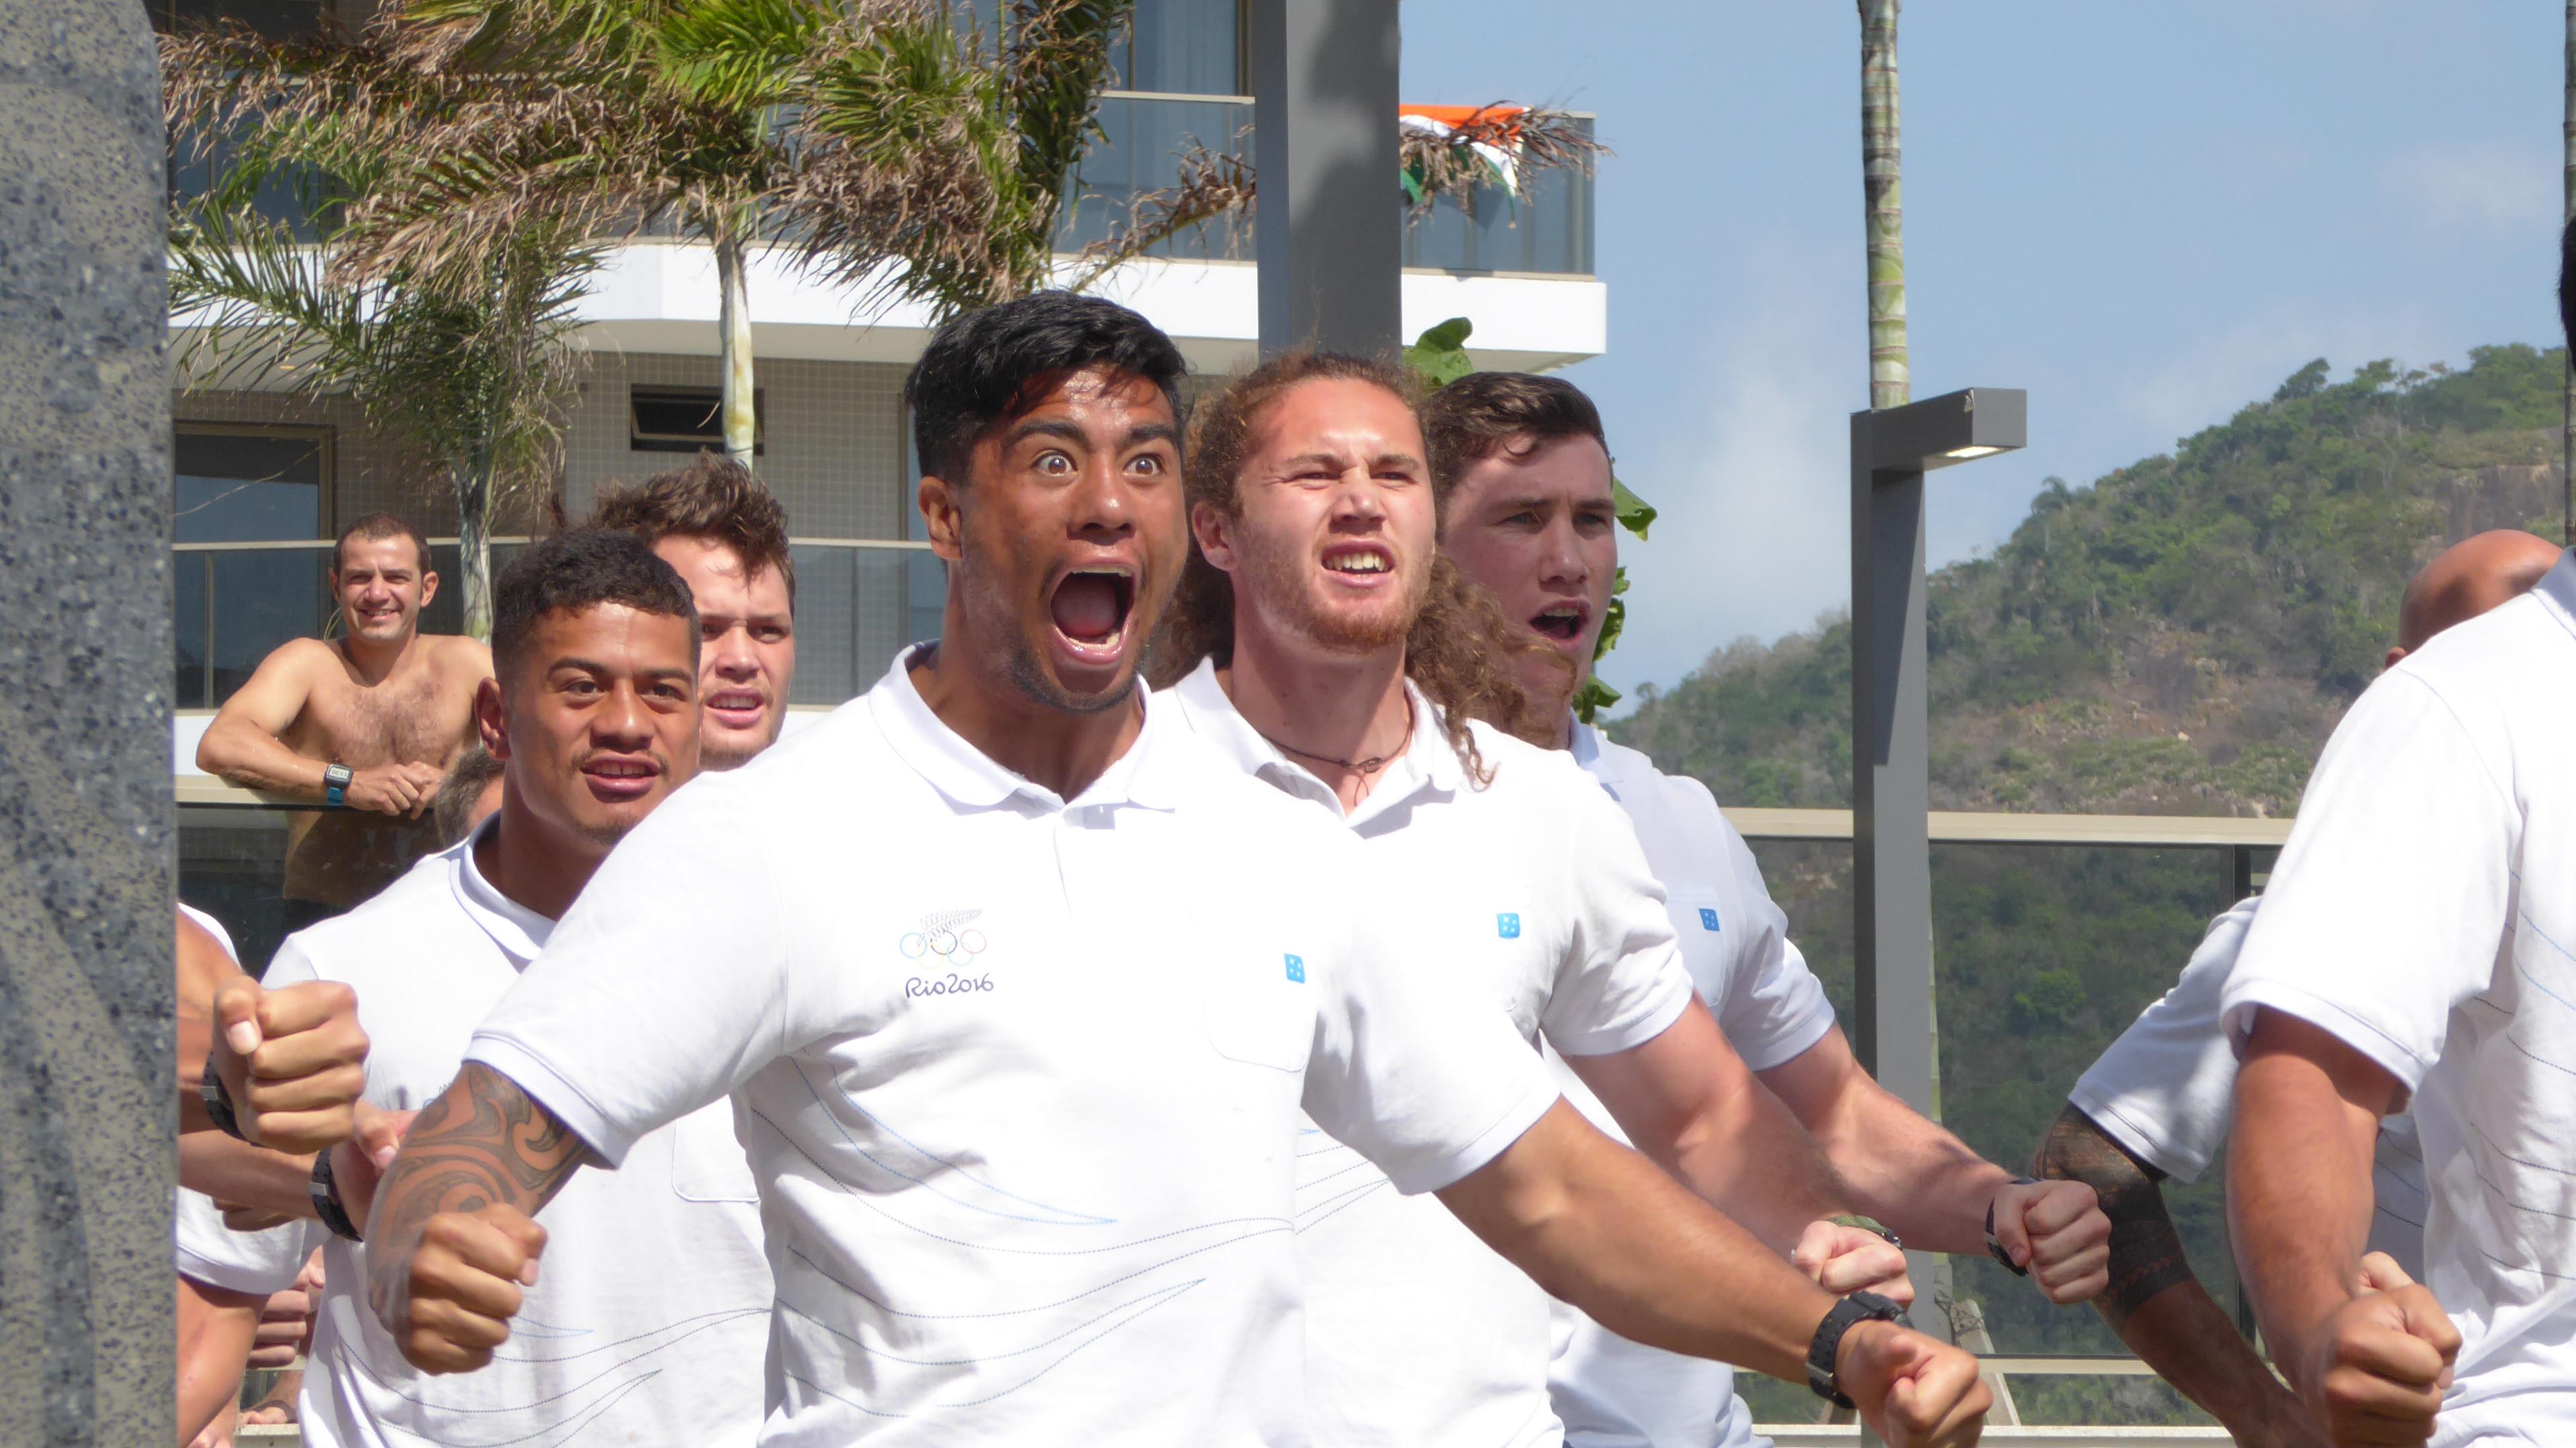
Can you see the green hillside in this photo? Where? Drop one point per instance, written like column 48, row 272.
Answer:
column 2177, row 638
column 2180, row 637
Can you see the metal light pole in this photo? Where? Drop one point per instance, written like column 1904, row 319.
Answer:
column 1329, row 232
column 1891, row 450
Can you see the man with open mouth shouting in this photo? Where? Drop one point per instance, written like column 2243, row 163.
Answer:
column 1523, row 473
column 1050, row 1200
column 726, row 536
column 1324, row 647
column 651, row 1327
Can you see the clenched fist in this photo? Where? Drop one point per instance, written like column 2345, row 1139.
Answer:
column 2056, row 1231
column 448, row 1302
column 1916, row 1391
column 293, row 1060
column 2376, row 1367
column 1844, row 1260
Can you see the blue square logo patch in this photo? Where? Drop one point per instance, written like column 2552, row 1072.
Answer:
column 1707, row 918
column 1297, row 969
column 1508, row 926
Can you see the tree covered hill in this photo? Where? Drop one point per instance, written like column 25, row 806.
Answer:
column 2178, row 638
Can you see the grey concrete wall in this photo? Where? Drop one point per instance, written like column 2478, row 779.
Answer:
column 86, row 1162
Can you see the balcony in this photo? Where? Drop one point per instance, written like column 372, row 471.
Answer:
column 1545, row 231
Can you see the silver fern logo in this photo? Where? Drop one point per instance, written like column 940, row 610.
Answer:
column 945, row 936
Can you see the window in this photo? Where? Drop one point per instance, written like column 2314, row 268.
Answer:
column 1188, row 47
column 687, row 419
column 238, row 488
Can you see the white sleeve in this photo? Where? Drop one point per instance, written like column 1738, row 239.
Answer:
column 2166, row 1089
column 647, row 1003
column 1425, row 1090
column 255, row 1262
column 212, row 927
column 2393, row 896
column 1773, row 1008
column 1622, row 982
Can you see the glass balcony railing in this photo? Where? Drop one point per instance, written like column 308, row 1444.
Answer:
column 857, row 601
column 1547, row 229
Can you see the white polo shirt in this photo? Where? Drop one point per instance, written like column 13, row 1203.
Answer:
column 2423, row 913
column 1020, row 1075
column 648, row 1321
column 2166, row 1090
column 1610, row 1391
column 1417, row 1333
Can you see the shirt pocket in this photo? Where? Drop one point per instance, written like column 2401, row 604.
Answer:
column 708, row 1163
column 1259, row 1009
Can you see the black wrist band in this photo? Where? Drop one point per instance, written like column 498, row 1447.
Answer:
column 1827, row 1344
column 1994, row 1248
column 326, row 1200
column 219, row 1102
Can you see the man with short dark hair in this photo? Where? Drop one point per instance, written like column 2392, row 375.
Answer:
column 725, row 534
column 1527, row 510
column 364, row 724
column 654, row 1313
column 1019, row 1006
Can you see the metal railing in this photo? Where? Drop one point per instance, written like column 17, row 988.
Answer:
column 231, row 830
column 857, row 601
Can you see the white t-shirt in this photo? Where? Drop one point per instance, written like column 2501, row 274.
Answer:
column 1020, row 1075
column 1610, row 1391
column 1416, row 1332
column 2423, row 914
column 2166, row 1090
column 212, row 927
column 648, row 1323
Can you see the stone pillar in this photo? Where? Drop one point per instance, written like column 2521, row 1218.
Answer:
column 1329, row 230
column 86, row 1098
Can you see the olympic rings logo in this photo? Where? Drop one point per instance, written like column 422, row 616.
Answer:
column 953, row 946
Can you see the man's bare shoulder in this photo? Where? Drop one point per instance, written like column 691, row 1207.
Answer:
column 298, row 666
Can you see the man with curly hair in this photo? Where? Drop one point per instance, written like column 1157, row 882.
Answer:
column 1322, row 644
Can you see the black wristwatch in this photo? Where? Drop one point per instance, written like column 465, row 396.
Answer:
column 326, row 1200
column 1994, row 1248
column 219, row 1102
column 1858, row 1308
column 335, row 784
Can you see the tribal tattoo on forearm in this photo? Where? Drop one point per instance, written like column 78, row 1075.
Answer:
column 2146, row 1252
column 482, row 1141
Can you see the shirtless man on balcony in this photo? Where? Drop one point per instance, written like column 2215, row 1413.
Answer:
column 366, row 723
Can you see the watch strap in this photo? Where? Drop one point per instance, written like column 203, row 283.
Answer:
column 326, row 1200
column 219, row 1102
column 1994, row 1248
column 1826, row 1346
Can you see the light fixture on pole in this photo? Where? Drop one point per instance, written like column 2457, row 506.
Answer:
column 1891, row 450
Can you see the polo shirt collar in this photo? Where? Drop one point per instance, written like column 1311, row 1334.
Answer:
column 1428, row 763
column 1144, row 775
column 1598, row 762
column 518, row 930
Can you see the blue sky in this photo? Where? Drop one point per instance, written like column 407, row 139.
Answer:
column 2147, row 215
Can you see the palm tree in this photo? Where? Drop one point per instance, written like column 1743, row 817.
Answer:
column 473, row 365
column 1881, row 156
